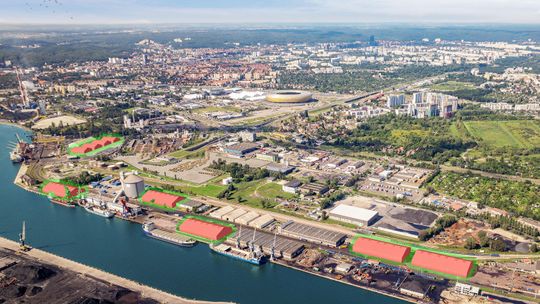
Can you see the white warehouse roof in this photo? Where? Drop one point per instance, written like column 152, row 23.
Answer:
column 352, row 212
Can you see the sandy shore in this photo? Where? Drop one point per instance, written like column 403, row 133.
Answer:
column 146, row 291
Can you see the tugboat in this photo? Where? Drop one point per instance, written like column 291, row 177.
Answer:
column 98, row 211
column 150, row 229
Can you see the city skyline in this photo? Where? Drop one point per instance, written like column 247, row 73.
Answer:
column 274, row 11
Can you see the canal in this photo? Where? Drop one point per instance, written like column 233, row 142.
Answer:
column 121, row 248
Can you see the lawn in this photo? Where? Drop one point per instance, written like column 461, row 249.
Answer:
column 512, row 133
column 206, row 190
column 253, row 193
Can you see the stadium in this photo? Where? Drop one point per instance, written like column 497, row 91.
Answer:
column 289, row 97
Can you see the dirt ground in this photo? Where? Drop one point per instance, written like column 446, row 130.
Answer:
column 493, row 274
column 457, row 234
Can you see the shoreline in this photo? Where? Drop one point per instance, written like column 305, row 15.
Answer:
column 9, row 123
column 146, row 291
column 22, row 171
column 395, row 296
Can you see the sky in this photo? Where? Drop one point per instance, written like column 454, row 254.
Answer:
column 268, row 11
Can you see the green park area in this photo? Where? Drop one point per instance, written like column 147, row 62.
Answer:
column 208, row 220
column 511, row 133
column 408, row 260
column 89, row 140
column 259, row 193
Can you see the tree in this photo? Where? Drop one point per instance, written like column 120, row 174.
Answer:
column 484, row 240
column 533, row 248
column 470, row 243
column 497, row 245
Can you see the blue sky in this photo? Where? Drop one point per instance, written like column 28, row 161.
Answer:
column 265, row 11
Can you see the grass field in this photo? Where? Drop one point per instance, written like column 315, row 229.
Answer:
column 512, row 133
column 253, row 193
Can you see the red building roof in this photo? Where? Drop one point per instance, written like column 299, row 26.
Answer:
column 379, row 249
column 442, row 263
column 60, row 190
column 81, row 149
column 205, row 229
column 162, row 199
column 112, row 139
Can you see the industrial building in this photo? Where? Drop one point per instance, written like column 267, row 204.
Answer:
column 442, row 263
column 232, row 216
column 247, row 218
column 221, row 212
column 280, row 168
column 60, row 190
column 264, row 242
column 240, row 149
column 381, row 250
column 204, row 229
column 312, row 234
column 353, row 215
column 132, row 185
column 313, row 188
column 292, row 186
column 95, row 144
column 192, row 206
column 262, row 222
column 161, row 198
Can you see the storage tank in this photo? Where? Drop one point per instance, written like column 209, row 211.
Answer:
column 132, row 185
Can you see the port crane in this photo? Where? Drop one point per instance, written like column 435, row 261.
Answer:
column 22, row 239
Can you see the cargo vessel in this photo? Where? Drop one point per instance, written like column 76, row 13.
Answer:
column 237, row 253
column 62, row 203
column 150, row 229
column 101, row 212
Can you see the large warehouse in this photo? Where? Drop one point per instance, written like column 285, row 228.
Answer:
column 442, row 263
column 289, row 97
column 204, row 229
column 312, row 234
column 161, row 199
column 354, row 215
column 382, row 250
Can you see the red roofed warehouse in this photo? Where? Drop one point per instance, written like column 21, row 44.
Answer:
column 383, row 250
column 82, row 149
column 162, row 199
column 60, row 190
column 205, row 229
column 442, row 263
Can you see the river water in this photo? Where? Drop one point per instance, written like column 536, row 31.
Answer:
column 120, row 247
